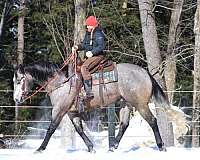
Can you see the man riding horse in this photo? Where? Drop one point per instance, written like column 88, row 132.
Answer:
column 93, row 45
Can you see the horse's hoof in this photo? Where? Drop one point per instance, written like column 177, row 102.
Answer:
column 39, row 150
column 116, row 145
column 91, row 150
column 163, row 149
column 111, row 149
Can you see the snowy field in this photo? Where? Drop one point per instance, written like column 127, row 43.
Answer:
column 137, row 144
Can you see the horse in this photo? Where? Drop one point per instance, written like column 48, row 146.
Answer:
column 135, row 85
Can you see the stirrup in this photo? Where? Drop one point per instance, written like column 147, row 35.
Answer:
column 89, row 96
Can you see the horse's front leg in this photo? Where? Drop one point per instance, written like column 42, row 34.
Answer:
column 52, row 127
column 56, row 119
column 76, row 121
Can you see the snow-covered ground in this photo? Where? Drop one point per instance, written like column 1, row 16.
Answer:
column 137, row 144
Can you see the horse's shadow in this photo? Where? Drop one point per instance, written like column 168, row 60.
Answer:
column 135, row 148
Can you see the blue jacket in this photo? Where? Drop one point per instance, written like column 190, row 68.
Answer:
column 98, row 42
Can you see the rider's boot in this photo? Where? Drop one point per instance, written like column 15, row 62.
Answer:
column 88, row 89
column 81, row 105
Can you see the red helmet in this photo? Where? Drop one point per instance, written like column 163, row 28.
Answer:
column 91, row 21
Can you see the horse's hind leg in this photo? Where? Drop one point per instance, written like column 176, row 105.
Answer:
column 76, row 120
column 124, row 123
column 152, row 121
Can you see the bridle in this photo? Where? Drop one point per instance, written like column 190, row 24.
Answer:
column 72, row 56
column 22, row 82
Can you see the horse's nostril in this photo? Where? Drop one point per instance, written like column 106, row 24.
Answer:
column 17, row 101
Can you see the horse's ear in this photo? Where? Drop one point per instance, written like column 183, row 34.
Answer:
column 21, row 68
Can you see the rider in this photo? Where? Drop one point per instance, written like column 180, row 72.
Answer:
column 93, row 45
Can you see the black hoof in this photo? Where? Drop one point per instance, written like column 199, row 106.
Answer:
column 163, row 149
column 116, row 145
column 111, row 149
column 39, row 150
column 91, row 150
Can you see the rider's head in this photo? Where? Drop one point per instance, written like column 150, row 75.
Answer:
column 91, row 23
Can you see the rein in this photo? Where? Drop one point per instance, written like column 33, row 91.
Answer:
column 66, row 62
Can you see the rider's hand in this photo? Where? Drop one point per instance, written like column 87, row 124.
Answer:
column 89, row 54
column 74, row 48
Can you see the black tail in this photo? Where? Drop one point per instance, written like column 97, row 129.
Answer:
column 157, row 92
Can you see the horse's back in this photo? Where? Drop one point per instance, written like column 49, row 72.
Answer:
column 134, row 83
column 133, row 71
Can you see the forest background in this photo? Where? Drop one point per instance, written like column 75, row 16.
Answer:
column 49, row 28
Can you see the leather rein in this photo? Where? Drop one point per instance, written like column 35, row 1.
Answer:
column 65, row 63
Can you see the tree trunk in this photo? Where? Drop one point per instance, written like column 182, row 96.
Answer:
column 79, row 27
column 20, row 48
column 196, row 95
column 153, row 56
column 2, row 18
column 124, row 6
column 79, row 31
column 170, row 68
column 150, row 37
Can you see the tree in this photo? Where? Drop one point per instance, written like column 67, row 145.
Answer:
column 170, row 68
column 3, row 18
column 68, row 130
column 80, row 14
column 196, row 95
column 20, row 46
column 154, row 61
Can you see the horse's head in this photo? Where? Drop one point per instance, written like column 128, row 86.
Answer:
column 22, row 83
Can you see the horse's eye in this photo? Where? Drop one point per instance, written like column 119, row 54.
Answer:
column 18, row 81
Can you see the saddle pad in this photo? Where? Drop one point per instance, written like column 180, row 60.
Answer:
column 108, row 77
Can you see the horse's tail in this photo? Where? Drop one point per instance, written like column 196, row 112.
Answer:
column 158, row 93
column 174, row 114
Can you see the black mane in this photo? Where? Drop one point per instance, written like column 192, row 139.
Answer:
column 40, row 71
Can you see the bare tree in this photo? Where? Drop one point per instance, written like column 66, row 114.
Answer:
column 20, row 46
column 196, row 95
column 3, row 17
column 154, row 60
column 150, row 37
column 80, row 14
column 68, row 130
column 170, row 68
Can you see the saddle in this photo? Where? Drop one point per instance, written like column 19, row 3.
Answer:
column 106, row 64
column 105, row 72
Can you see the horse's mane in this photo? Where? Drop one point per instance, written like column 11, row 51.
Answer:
column 40, row 71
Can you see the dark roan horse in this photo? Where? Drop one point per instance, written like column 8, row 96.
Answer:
column 135, row 86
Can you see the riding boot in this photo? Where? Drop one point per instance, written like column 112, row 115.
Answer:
column 81, row 105
column 88, row 89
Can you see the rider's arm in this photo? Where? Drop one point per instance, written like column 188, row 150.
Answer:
column 99, row 38
column 82, row 46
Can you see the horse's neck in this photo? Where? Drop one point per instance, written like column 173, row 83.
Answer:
column 56, row 81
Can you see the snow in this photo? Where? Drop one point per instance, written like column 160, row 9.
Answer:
column 137, row 144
